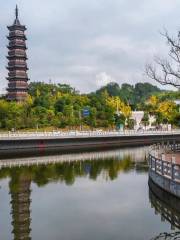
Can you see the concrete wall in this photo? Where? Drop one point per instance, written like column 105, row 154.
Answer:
column 165, row 183
column 16, row 147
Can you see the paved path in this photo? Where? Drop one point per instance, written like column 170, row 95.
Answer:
column 175, row 156
column 168, row 157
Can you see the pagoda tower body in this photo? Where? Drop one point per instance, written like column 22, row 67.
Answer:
column 17, row 66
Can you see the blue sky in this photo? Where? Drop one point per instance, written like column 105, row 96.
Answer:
column 89, row 43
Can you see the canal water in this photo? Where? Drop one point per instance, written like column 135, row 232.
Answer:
column 99, row 195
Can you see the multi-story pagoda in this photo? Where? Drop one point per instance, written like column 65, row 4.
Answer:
column 17, row 67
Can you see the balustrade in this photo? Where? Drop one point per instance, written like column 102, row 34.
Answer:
column 17, row 53
column 167, row 169
column 16, row 34
column 20, row 75
column 17, row 43
column 18, row 85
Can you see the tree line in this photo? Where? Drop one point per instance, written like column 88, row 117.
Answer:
column 61, row 106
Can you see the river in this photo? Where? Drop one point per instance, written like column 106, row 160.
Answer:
column 84, row 196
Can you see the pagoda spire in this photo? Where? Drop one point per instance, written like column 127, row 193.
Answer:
column 16, row 11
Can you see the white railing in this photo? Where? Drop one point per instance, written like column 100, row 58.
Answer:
column 67, row 134
column 159, row 164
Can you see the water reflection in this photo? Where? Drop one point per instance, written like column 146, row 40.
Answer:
column 166, row 205
column 108, row 164
column 89, row 204
column 20, row 202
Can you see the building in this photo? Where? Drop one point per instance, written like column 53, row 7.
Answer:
column 17, row 66
column 137, row 116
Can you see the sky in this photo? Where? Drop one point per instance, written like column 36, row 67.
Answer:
column 90, row 43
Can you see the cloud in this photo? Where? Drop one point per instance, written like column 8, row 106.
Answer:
column 103, row 79
column 75, row 41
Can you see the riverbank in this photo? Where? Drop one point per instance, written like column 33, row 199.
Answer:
column 20, row 145
column 164, row 168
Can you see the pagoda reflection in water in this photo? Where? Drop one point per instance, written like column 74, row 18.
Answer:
column 68, row 172
column 20, row 206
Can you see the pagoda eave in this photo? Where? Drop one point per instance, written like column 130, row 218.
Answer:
column 17, row 90
column 23, row 79
column 16, row 56
column 17, row 27
column 17, row 46
column 17, row 37
column 17, row 68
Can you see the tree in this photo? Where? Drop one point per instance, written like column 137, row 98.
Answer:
column 164, row 110
column 168, row 110
column 167, row 71
column 131, row 123
column 129, row 94
column 112, row 89
column 145, row 119
column 119, row 106
column 50, row 105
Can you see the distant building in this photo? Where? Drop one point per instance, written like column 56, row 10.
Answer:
column 137, row 116
column 17, row 67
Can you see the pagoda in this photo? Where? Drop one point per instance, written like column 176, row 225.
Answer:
column 17, row 66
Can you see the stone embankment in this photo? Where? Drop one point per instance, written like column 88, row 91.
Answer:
column 13, row 145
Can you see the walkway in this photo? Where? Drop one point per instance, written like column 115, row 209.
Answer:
column 170, row 157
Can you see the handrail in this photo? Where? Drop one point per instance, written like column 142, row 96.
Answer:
column 67, row 134
column 167, row 169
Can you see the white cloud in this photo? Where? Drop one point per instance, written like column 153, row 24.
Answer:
column 103, row 79
column 72, row 41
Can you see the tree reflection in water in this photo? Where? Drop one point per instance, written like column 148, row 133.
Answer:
column 68, row 171
column 21, row 178
column 168, row 207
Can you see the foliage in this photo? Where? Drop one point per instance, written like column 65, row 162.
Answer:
column 132, row 95
column 166, row 111
column 61, row 106
column 145, row 119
